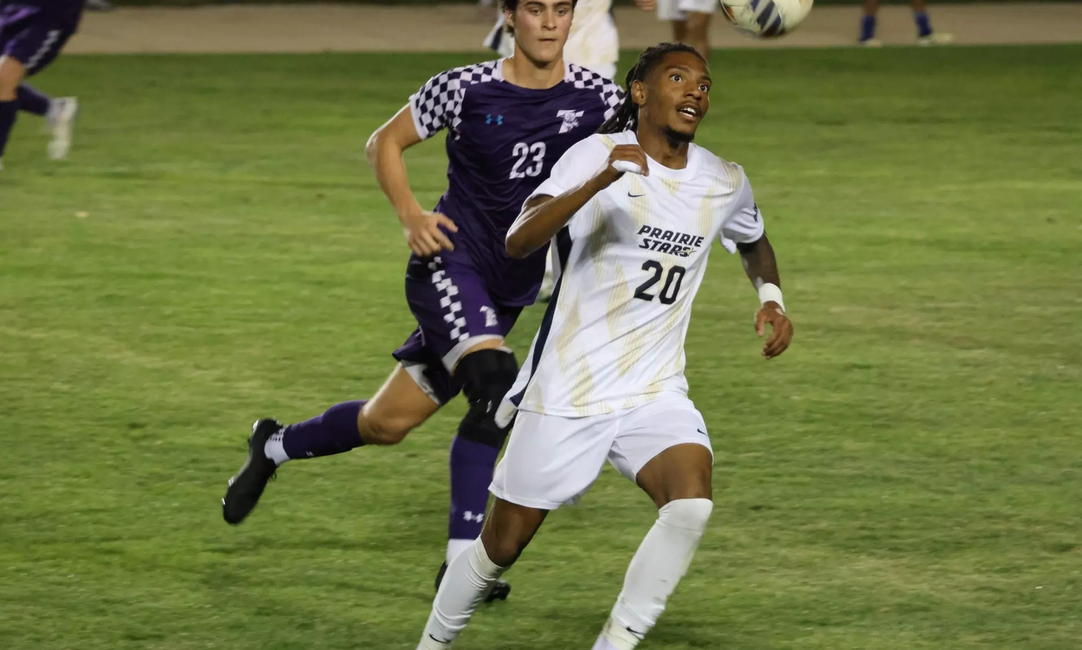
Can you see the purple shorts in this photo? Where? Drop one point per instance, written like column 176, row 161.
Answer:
column 454, row 312
column 32, row 36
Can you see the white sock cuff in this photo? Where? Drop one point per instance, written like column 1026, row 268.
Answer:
column 274, row 449
column 456, row 547
column 689, row 514
column 480, row 563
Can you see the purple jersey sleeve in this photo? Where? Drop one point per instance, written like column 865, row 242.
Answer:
column 438, row 103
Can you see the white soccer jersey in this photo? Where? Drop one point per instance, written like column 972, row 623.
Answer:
column 593, row 42
column 631, row 262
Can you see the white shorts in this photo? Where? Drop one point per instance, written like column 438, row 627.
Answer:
column 678, row 9
column 552, row 461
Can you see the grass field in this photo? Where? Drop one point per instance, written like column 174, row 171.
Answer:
column 907, row 476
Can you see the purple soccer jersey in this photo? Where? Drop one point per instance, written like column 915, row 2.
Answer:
column 501, row 144
column 34, row 32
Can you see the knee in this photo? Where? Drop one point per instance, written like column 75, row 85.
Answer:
column 486, row 376
column 689, row 514
column 384, row 429
column 504, row 544
column 11, row 75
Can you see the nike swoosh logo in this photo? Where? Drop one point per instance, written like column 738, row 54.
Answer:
column 637, row 635
column 635, row 196
column 703, row 432
column 437, row 640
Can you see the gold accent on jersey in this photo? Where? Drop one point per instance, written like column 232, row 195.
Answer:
column 671, row 184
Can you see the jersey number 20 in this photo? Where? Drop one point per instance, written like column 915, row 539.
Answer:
column 523, row 152
column 672, row 282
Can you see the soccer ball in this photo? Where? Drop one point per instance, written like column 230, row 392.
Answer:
column 766, row 18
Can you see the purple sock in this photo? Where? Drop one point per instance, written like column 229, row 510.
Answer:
column 334, row 432
column 867, row 27
column 924, row 26
column 471, row 473
column 33, row 101
column 8, row 110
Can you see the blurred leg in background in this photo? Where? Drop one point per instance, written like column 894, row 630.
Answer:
column 925, row 34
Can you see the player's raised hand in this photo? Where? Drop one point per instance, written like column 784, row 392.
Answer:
column 626, row 153
column 425, row 233
column 781, row 334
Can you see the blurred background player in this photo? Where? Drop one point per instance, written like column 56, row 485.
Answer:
column 605, row 376
column 690, row 20
column 32, row 32
column 486, row 10
column 508, row 121
column 925, row 35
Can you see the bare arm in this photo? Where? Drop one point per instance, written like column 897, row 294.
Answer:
column 759, row 262
column 385, row 151
column 762, row 268
column 544, row 216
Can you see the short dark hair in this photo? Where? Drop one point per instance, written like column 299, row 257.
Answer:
column 626, row 117
column 511, row 5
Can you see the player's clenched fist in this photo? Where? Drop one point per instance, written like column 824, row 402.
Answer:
column 781, row 334
column 424, row 233
column 624, row 153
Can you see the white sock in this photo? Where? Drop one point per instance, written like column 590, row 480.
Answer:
column 468, row 580
column 603, row 644
column 455, row 547
column 662, row 559
column 274, row 450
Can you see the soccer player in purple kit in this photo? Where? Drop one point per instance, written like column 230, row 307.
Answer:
column 508, row 121
column 32, row 32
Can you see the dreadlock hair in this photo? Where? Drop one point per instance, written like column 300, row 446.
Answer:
column 626, row 117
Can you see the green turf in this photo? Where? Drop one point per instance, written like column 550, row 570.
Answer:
column 906, row 476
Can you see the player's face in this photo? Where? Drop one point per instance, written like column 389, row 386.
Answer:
column 541, row 28
column 678, row 96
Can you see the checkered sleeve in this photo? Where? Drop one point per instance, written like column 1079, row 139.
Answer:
column 437, row 104
column 608, row 91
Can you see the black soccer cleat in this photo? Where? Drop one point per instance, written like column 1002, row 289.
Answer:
column 246, row 487
column 500, row 591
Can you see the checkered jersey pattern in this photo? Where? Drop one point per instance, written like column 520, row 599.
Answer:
column 612, row 95
column 452, row 306
column 437, row 104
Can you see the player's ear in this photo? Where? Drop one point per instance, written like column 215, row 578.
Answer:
column 638, row 92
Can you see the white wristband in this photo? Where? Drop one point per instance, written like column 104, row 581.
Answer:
column 626, row 166
column 771, row 292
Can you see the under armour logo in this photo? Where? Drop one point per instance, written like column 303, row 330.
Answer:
column 570, row 118
column 469, row 516
column 498, row 120
column 490, row 316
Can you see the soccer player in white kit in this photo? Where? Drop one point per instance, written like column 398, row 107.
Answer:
column 604, row 378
